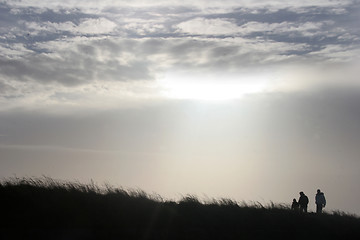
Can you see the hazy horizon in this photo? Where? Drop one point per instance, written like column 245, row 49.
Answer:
column 248, row 100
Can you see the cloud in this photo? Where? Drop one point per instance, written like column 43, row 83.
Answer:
column 14, row 50
column 202, row 26
column 92, row 4
column 96, row 26
column 87, row 70
column 70, row 46
column 336, row 53
column 86, row 26
column 143, row 28
column 305, row 29
column 5, row 88
column 73, row 63
column 83, row 60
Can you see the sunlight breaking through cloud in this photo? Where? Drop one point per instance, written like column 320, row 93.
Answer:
column 185, row 96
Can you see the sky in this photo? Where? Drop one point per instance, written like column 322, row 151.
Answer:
column 249, row 100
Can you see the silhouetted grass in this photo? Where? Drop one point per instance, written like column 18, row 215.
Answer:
column 43, row 208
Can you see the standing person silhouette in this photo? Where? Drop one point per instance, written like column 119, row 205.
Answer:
column 320, row 201
column 303, row 202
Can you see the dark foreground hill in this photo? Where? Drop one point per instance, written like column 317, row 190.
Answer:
column 48, row 209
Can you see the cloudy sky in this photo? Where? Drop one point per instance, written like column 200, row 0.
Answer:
column 249, row 100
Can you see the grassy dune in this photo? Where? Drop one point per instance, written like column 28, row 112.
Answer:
column 48, row 209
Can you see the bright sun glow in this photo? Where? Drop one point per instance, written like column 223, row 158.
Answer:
column 210, row 89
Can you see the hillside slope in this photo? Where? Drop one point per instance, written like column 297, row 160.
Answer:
column 48, row 209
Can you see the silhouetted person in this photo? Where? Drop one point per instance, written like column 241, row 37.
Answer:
column 303, row 202
column 320, row 201
column 295, row 205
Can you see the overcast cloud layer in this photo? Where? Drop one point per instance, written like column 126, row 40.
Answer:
column 61, row 52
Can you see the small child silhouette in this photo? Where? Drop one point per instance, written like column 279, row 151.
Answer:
column 295, row 205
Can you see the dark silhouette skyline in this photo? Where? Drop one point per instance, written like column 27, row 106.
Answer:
column 49, row 209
